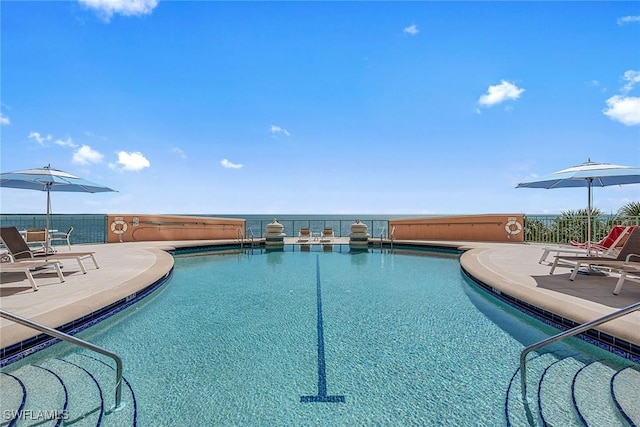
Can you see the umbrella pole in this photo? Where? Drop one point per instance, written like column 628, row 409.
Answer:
column 589, row 197
column 46, row 233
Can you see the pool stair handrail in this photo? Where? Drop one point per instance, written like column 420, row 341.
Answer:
column 77, row 341
column 565, row 334
column 383, row 234
column 251, row 236
column 392, row 236
column 240, row 237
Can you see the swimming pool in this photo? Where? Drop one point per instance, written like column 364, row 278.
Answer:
column 316, row 338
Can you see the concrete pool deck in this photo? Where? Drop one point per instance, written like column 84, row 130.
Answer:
column 126, row 268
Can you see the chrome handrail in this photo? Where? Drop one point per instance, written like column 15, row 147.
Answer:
column 569, row 332
column 250, row 233
column 241, row 237
column 69, row 338
column 393, row 236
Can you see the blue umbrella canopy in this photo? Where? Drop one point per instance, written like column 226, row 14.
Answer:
column 49, row 179
column 589, row 175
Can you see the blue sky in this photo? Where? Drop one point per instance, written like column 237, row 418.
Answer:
column 417, row 108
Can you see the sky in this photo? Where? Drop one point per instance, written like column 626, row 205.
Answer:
column 285, row 107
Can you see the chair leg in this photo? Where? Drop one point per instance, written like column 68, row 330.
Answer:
column 574, row 273
column 618, row 288
column 554, row 265
column 31, row 280
column 543, row 257
column 59, row 272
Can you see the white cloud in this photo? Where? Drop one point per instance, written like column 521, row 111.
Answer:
column 86, row 154
column 107, row 8
column 624, row 109
column 412, row 30
column 497, row 94
column 628, row 19
column 632, row 77
column 179, row 152
column 65, row 143
column 4, row 120
column 277, row 130
column 134, row 161
column 39, row 138
column 227, row 164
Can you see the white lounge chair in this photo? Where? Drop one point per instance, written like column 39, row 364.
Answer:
column 19, row 251
column 304, row 235
column 625, row 263
column 327, row 235
column 606, row 247
column 30, row 268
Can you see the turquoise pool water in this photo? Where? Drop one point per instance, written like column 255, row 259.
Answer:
column 315, row 338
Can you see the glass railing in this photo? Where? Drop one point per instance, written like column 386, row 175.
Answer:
column 86, row 228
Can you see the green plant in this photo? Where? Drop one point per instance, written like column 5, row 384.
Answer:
column 571, row 225
column 630, row 209
column 537, row 231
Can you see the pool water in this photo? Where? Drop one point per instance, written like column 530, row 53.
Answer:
column 308, row 338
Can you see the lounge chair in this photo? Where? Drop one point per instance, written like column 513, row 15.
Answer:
column 36, row 236
column 304, row 235
column 605, row 247
column 616, row 237
column 18, row 250
column 327, row 235
column 623, row 263
column 62, row 237
column 30, row 268
column 624, row 269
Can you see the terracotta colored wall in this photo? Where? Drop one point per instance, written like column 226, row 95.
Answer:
column 144, row 228
column 478, row 228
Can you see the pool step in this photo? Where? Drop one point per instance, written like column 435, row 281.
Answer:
column 567, row 391
column 555, row 400
column 625, row 388
column 592, row 384
column 526, row 413
column 77, row 390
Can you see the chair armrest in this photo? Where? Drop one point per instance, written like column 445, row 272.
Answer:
column 628, row 258
column 22, row 252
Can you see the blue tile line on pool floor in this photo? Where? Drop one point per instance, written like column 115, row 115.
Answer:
column 322, row 375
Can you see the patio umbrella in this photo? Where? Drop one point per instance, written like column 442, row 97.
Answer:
column 588, row 174
column 49, row 179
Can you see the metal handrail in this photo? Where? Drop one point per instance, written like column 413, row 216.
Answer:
column 393, row 236
column 383, row 231
column 241, row 237
column 569, row 332
column 69, row 338
column 250, row 230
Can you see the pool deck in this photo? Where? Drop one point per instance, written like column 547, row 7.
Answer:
column 126, row 268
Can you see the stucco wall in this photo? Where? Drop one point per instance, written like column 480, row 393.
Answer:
column 145, row 228
column 478, row 228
